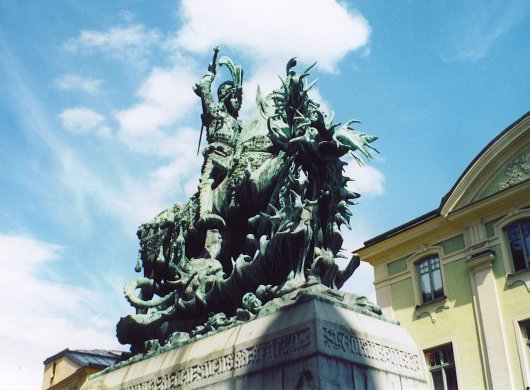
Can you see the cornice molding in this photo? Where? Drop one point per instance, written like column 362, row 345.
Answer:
column 501, row 150
column 481, row 260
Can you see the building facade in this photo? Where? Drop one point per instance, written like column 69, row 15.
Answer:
column 69, row 369
column 458, row 277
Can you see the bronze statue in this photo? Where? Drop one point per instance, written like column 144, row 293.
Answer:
column 266, row 220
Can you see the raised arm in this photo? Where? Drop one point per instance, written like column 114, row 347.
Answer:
column 203, row 89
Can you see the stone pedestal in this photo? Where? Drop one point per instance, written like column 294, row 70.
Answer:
column 314, row 343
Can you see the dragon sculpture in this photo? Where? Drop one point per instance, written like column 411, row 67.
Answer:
column 266, row 219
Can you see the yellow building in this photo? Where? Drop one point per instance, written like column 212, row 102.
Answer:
column 458, row 278
column 69, row 369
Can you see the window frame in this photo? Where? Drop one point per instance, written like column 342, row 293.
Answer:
column 438, row 305
column 526, row 251
column 427, row 259
column 525, row 331
column 512, row 217
column 523, row 346
column 443, row 366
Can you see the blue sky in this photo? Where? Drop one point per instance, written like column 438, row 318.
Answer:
column 99, row 128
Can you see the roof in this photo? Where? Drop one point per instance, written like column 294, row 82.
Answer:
column 87, row 357
column 437, row 212
column 401, row 228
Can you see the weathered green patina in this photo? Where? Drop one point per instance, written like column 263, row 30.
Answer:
column 266, row 219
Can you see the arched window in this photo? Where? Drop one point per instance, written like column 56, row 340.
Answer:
column 518, row 235
column 430, row 278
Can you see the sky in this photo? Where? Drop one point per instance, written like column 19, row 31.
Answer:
column 99, row 128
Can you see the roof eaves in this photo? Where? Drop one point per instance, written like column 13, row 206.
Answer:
column 56, row 356
column 401, row 228
column 87, row 359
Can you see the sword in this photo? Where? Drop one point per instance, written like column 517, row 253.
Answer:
column 200, row 138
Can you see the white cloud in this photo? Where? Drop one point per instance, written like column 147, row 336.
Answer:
column 318, row 30
column 165, row 97
column 361, row 282
column 130, row 43
column 21, row 255
column 174, row 177
column 367, row 179
column 81, row 120
column 128, row 197
column 74, row 82
column 42, row 316
column 191, row 185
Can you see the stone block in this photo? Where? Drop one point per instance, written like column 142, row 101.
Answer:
column 311, row 344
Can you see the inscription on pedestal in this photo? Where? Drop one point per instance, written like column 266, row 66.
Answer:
column 264, row 354
column 356, row 348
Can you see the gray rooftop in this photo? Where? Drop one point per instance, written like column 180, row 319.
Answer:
column 88, row 357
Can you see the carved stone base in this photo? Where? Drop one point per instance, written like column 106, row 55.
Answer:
column 314, row 343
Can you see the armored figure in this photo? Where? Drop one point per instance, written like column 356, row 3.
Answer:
column 222, row 131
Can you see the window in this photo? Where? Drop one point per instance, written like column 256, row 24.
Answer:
column 525, row 329
column 430, row 277
column 53, row 372
column 441, row 363
column 518, row 235
column 524, row 351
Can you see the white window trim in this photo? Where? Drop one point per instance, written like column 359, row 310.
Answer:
column 432, row 307
column 440, row 343
column 522, row 348
column 512, row 277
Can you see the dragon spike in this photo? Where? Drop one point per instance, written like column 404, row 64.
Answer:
column 333, row 126
column 290, row 64
column 311, row 67
column 357, row 159
column 305, row 93
column 310, row 86
column 342, row 221
column 348, row 123
column 262, row 105
column 301, row 117
column 347, row 194
column 285, row 86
